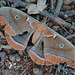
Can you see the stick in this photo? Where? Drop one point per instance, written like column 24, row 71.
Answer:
column 58, row 7
column 47, row 14
column 52, row 6
column 19, row 3
column 57, row 19
column 5, row 46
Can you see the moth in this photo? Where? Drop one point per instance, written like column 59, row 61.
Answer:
column 48, row 48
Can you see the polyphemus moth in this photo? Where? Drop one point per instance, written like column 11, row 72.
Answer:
column 49, row 46
column 15, row 21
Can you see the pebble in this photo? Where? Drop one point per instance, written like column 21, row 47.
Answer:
column 14, row 57
column 37, row 71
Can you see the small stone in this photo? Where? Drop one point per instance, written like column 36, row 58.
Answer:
column 37, row 71
column 10, row 66
column 65, row 16
column 14, row 57
column 14, row 64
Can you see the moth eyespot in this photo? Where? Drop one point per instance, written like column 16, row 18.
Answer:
column 17, row 17
column 23, row 33
column 61, row 45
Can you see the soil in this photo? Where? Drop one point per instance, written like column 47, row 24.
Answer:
column 26, row 66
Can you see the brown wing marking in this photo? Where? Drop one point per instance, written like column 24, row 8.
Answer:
column 37, row 59
column 8, row 29
column 48, row 33
column 58, row 59
column 14, row 44
column 36, row 36
column 32, row 23
column 40, row 27
column 2, row 20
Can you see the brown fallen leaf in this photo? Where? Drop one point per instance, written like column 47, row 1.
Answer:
column 37, row 8
column 32, row 9
column 41, row 5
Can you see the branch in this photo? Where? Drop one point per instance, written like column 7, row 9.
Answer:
column 57, row 19
column 4, row 46
column 52, row 6
column 47, row 14
column 70, row 36
column 58, row 7
column 18, row 3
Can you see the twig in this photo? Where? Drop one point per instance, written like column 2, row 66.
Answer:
column 52, row 6
column 67, row 70
column 57, row 19
column 70, row 36
column 58, row 7
column 47, row 14
column 65, row 29
column 4, row 46
column 25, row 70
column 18, row 3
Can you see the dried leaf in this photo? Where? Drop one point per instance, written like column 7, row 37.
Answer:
column 37, row 8
column 32, row 9
column 41, row 5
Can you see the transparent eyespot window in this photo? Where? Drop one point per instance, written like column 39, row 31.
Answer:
column 23, row 33
column 61, row 45
column 17, row 17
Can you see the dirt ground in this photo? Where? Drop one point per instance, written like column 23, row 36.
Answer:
column 13, row 62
